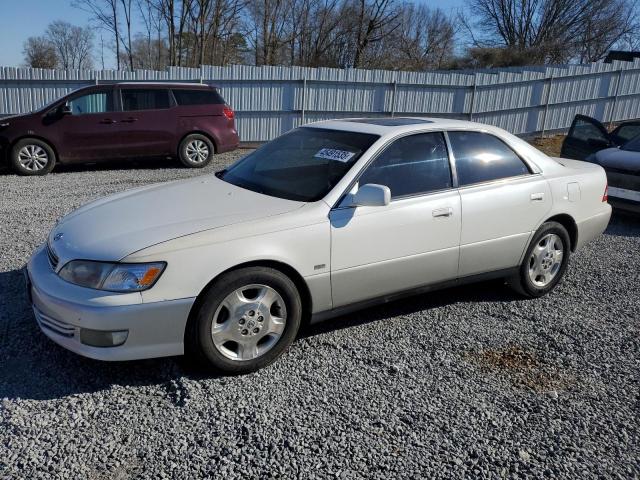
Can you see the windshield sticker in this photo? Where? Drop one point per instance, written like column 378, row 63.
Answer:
column 333, row 154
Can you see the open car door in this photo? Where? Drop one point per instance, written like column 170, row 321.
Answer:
column 625, row 132
column 586, row 136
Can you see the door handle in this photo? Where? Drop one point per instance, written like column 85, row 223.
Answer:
column 107, row 121
column 442, row 212
column 129, row 120
column 537, row 197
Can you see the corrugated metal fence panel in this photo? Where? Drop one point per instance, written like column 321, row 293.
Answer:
column 270, row 100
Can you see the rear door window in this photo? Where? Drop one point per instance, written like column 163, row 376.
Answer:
column 481, row 157
column 197, row 97
column 144, row 99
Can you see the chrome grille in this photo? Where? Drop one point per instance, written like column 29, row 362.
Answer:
column 53, row 258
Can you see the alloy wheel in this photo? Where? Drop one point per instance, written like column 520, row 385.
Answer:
column 197, row 151
column 249, row 322
column 545, row 260
column 33, row 157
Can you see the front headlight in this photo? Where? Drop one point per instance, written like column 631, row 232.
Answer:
column 113, row 277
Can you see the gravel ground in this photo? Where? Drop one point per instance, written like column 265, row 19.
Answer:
column 469, row 381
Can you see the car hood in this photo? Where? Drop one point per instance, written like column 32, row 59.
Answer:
column 618, row 159
column 118, row 225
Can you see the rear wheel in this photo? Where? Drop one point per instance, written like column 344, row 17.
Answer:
column 196, row 151
column 545, row 261
column 247, row 319
column 31, row 156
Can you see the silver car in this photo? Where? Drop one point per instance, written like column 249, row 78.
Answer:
column 327, row 218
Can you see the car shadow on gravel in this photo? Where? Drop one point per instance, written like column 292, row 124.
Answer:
column 125, row 164
column 34, row 367
column 487, row 291
column 624, row 224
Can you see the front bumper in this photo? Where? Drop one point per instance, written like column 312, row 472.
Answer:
column 62, row 310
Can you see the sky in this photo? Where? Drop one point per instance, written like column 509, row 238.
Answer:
column 20, row 19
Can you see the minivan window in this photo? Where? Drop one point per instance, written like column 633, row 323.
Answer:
column 481, row 157
column 94, row 102
column 197, row 97
column 145, row 99
column 304, row 164
column 412, row 165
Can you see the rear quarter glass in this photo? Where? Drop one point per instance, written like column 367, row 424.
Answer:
column 197, row 97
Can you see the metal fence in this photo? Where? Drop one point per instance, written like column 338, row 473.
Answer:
column 271, row 100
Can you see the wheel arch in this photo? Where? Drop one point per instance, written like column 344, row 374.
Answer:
column 568, row 222
column 288, row 270
column 36, row 137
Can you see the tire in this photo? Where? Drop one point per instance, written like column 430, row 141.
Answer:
column 196, row 151
column 224, row 330
column 541, row 270
column 31, row 156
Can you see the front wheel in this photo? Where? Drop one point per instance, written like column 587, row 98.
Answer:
column 247, row 319
column 31, row 156
column 196, row 151
column 545, row 261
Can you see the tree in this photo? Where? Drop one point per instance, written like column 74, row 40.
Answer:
column 374, row 20
column 39, row 53
column 72, row 44
column 269, row 30
column 127, row 10
column 424, row 39
column 555, row 30
column 105, row 14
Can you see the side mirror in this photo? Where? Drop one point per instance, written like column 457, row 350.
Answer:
column 65, row 109
column 372, row 195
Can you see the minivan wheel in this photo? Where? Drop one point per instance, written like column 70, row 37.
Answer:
column 31, row 156
column 545, row 261
column 196, row 151
column 246, row 320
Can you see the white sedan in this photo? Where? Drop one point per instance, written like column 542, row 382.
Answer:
column 327, row 218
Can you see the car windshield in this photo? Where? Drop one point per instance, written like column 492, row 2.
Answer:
column 302, row 165
column 632, row 145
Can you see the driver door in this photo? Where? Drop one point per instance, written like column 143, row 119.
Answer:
column 586, row 136
column 89, row 132
column 411, row 242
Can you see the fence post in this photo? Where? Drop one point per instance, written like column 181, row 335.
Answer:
column 546, row 105
column 473, row 98
column 304, row 100
column 615, row 98
column 394, row 89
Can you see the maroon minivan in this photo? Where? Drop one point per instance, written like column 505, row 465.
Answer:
column 190, row 122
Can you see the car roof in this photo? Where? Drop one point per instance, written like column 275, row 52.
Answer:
column 391, row 125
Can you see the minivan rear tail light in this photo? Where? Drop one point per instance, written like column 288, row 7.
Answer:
column 227, row 111
column 605, row 197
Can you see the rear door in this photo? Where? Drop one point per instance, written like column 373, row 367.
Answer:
column 148, row 123
column 586, row 136
column 502, row 202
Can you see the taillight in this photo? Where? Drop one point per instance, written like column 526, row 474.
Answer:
column 227, row 111
column 605, row 197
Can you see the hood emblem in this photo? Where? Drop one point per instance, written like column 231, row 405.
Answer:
column 58, row 236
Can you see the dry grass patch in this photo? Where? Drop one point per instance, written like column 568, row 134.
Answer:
column 523, row 368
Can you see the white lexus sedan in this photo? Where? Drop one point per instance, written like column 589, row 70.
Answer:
column 329, row 217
